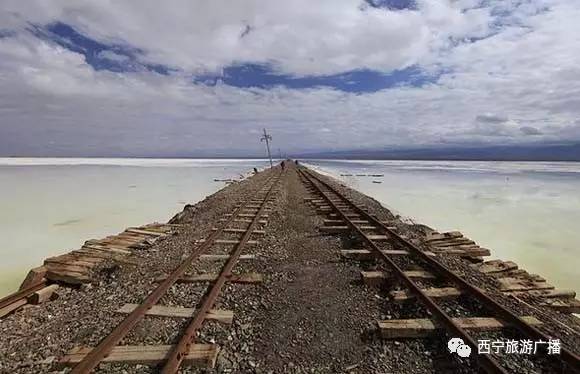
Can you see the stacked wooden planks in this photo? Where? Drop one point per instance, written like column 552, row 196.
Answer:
column 76, row 266
column 455, row 243
column 518, row 282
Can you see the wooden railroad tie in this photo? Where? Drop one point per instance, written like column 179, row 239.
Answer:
column 448, row 235
column 68, row 274
column 349, row 215
column 247, row 215
column 255, row 210
column 423, row 327
column 262, row 222
column 565, row 306
column 35, row 275
column 250, row 206
column 94, row 254
column 241, row 231
column 225, row 257
column 366, row 255
column 545, row 294
column 43, row 295
column 451, row 242
column 247, row 278
column 378, row 278
column 463, row 251
column 254, row 206
column 117, row 242
column 218, row 315
column 342, row 229
column 340, row 222
column 435, row 293
column 539, row 289
column 106, row 248
column 135, row 230
column 229, row 241
column 518, row 284
column 68, row 260
column 201, row 355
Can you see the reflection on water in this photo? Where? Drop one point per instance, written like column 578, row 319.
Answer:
column 51, row 206
column 528, row 212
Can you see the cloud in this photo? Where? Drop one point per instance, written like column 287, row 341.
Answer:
column 298, row 37
column 529, row 130
column 500, row 65
column 490, row 118
column 112, row 56
column 492, row 125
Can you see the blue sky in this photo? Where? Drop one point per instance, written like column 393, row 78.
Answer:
column 356, row 81
column 192, row 78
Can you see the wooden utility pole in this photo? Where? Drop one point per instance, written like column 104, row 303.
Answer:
column 267, row 138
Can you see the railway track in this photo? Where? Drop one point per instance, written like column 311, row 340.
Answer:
column 402, row 264
column 241, row 223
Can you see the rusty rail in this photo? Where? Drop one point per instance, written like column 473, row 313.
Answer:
column 21, row 294
column 97, row 354
column 485, row 361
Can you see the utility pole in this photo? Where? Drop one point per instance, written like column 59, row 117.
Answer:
column 279, row 153
column 267, row 138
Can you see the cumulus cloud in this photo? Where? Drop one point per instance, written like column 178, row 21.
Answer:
column 500, row 65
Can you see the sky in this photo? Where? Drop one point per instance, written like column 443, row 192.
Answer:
column 202, row 78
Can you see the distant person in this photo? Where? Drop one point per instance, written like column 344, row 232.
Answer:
column 283, row 165
column 255, row 171
column 296, row 162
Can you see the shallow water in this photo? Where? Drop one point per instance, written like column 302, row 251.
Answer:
column 51, row 206
column 528, row 212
